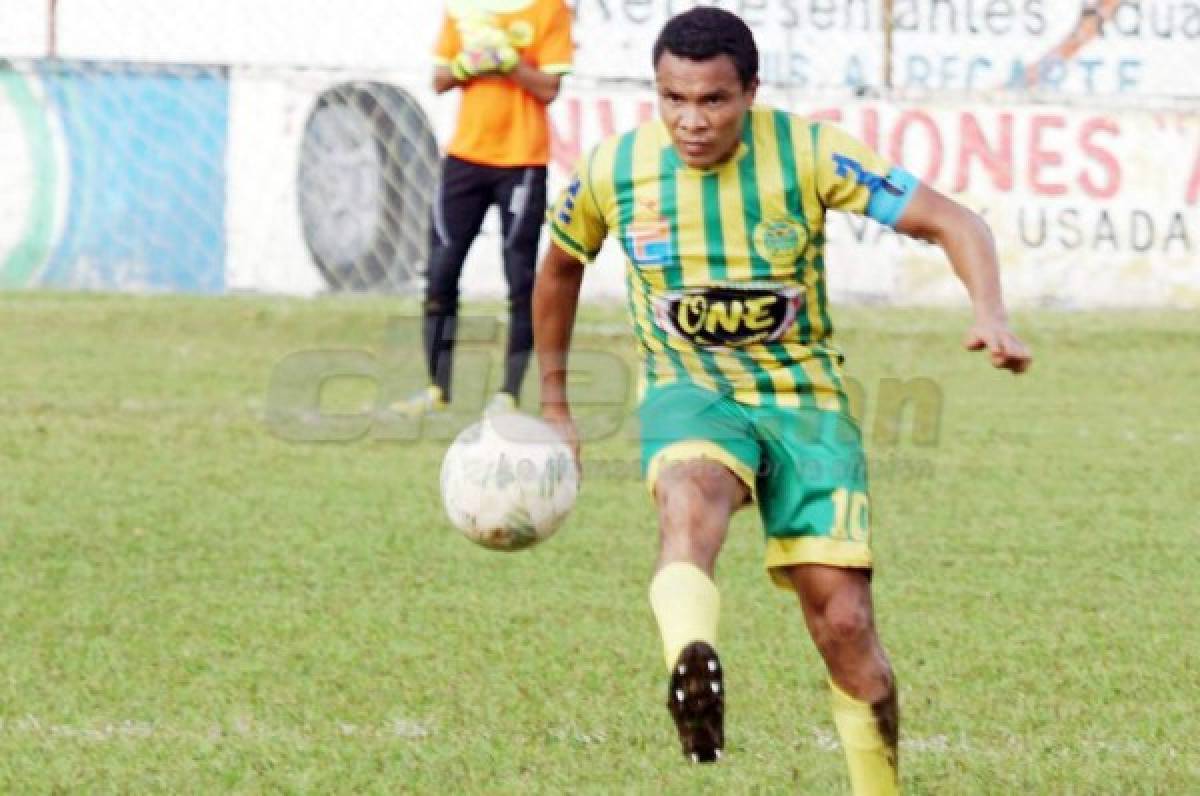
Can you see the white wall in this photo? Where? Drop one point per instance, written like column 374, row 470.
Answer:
column 1091, row 207
column 974, row 46
column 384, row 34
column 22, row 28
column 1148, row 48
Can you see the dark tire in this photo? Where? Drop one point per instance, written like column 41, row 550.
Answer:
column 365, row 183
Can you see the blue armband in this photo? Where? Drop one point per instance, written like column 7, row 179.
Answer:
column 891, row 196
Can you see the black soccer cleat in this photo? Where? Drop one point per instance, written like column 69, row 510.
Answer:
column 696, row 701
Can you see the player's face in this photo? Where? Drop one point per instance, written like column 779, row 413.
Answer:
column 704, row 105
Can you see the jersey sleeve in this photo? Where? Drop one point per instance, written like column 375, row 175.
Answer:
column 576, row 220
column 449, row 42
column 853, row 177
column 555, row 50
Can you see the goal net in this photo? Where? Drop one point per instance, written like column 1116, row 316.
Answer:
column 293, row 146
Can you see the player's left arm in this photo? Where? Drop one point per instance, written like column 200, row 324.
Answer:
column 542, row 85
column 541, row 70
column 968, row 243
column 853, row 178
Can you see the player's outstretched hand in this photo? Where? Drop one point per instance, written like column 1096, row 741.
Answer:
column 1005, row 349
column 562, row 422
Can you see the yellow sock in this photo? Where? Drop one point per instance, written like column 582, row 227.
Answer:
column 871, row 758
column 687, row 606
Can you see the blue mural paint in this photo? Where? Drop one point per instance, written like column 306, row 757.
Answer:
column 19, row 265
column 146, row 169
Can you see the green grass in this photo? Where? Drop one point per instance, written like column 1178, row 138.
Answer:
column 191, row 604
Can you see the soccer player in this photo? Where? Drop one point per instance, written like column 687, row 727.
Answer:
column 720, row 207
column 508, row 58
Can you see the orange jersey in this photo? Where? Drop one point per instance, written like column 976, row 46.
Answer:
column 500, row 123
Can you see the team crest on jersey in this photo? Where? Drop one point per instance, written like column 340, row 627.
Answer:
column 649, row 242
column 780, row 242
column 727, row 316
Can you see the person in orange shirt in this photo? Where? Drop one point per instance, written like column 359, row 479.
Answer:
column 508, row 57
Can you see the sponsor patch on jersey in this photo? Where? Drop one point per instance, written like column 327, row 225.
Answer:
column 649, row 242
column 780, row 242
column 566, row 209
column 725, row 316
column 846, row 166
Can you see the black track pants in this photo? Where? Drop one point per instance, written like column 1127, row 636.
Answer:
column 466, row 192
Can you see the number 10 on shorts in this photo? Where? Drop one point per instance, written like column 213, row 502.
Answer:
column 851, row 516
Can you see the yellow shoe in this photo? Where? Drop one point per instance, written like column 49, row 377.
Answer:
column 428, row 401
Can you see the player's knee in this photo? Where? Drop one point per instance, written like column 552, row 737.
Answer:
column 697, row 491
column 693, row 508
column 682, row 504
column 844, row 624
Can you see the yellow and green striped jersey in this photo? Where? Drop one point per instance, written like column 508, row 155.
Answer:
column 726, row 267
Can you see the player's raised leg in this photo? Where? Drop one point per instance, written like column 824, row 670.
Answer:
column 840, row 617
column 699, row 459
column 695, row 500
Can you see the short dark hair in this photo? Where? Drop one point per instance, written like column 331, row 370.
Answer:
column 706, row 32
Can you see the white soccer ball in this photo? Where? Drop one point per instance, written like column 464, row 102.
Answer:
column 509, row 481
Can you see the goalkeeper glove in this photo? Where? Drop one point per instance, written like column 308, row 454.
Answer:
column 486, row 48
column 485, row 61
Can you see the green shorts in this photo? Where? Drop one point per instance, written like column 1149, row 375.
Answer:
column 804, row 467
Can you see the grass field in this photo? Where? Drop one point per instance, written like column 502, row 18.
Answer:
column 191, row 604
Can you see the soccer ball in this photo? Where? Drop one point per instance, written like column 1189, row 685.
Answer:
column 509, row 481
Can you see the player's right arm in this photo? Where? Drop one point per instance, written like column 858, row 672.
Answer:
column 577, row 226
column 555, row 301
column 443, row 80
column 449, row 43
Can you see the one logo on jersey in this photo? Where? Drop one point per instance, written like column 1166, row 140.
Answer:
column 848, row 166
column 780, row 242
column 566, row 208
column 649, row 242
column 727, row 316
